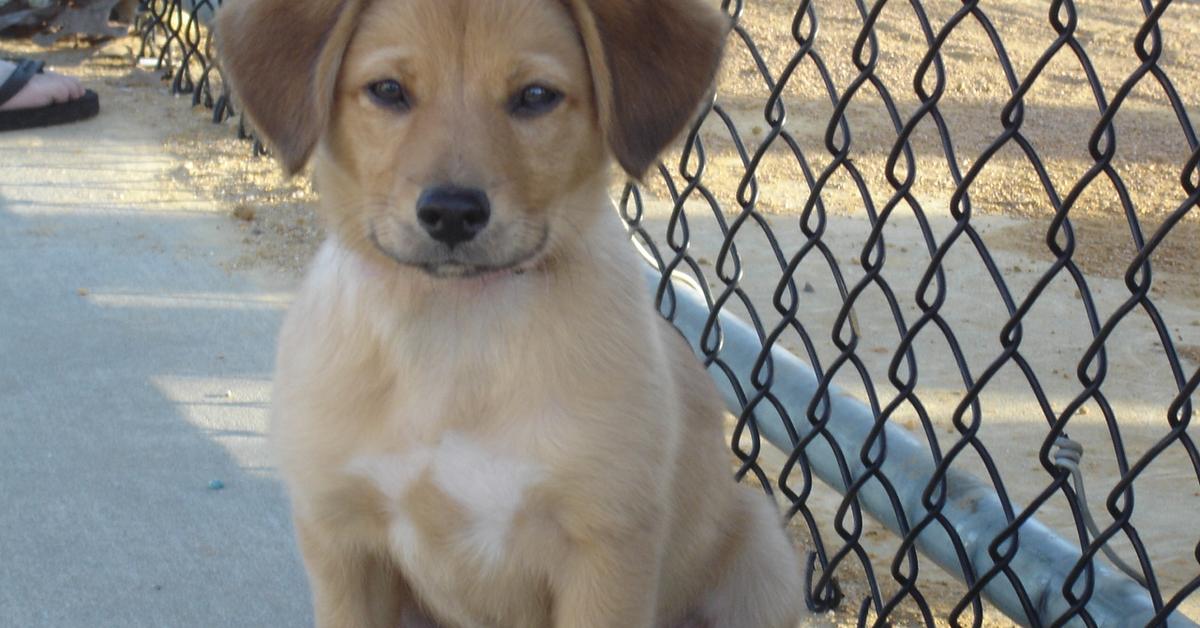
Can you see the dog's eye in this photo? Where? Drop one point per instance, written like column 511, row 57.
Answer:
column 534, row 100
column 390, row 93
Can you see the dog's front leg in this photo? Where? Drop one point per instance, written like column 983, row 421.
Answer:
column 351, row 588
column 610, row 584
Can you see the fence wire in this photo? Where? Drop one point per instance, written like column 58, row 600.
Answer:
column 932, row 205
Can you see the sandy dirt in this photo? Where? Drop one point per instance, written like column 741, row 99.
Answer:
column 1010, row 215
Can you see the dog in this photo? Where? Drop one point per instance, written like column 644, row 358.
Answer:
column 478, row 415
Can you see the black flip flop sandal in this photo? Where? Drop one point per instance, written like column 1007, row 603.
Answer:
column 81, row 108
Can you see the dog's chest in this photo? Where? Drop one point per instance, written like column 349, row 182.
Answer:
column 457, row 501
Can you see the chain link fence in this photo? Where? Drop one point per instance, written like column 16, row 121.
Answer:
column 943, row 256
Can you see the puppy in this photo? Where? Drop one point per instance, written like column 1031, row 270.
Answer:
column 479, row 416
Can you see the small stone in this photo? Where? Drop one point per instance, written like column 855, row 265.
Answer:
column 757, row 130
column 229, row 394
column 244, row 212
column 216, row 485
column 1083, row 411
column 808, row 288
column 1196, row 323
column 83, row 292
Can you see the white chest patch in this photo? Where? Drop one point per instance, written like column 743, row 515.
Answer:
column 488, row 485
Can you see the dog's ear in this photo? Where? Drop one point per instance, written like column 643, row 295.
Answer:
column 282, row 59
column 652, row 63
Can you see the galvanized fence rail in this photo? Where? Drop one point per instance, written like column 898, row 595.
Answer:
column 859, row 417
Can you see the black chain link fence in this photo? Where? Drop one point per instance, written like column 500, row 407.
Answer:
column 975, row 218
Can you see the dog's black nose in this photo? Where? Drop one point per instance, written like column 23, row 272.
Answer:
column 453, row 215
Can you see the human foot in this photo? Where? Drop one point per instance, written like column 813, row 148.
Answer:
column 30, row 97
column 41, row 90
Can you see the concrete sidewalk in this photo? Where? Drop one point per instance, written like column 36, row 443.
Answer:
column 134, row 371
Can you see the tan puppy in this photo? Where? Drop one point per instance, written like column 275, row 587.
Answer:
column 478, row 415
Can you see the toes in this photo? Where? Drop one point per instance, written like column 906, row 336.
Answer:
column 75, row 88
column 65, row 88
column 54, row 89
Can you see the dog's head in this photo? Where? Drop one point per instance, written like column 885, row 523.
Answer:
column 468, row 136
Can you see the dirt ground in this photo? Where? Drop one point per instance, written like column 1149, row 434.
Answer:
column 1010, row 215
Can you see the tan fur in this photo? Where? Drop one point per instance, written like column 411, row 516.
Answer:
column 529, row 446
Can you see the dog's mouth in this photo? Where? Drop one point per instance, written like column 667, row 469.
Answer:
column 446, row 263
column 453, row 270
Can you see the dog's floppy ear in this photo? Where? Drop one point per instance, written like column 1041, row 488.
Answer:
column 282, row 58
column 652, row 63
